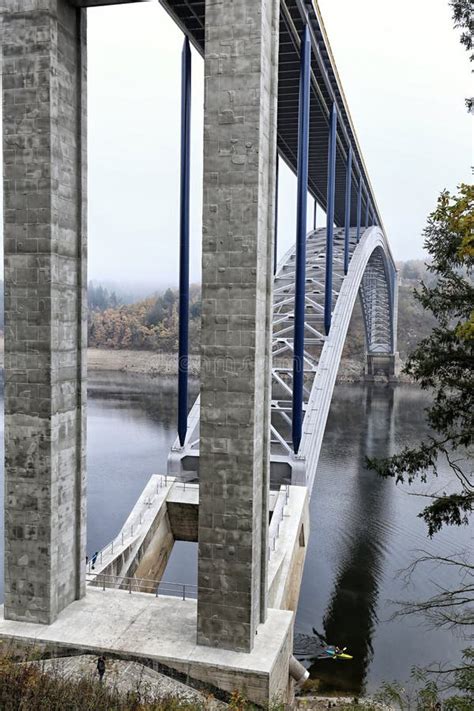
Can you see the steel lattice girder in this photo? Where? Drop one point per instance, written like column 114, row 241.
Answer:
column 368, row 276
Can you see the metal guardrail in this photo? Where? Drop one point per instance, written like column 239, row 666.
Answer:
column 184, row 591
column 128, row 532
column 279, row 512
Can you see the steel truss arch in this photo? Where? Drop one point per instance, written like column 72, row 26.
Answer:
column 371, row 276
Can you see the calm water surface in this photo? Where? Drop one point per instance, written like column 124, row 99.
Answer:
column 364, row 529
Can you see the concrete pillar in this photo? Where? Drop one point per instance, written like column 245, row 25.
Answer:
column 44, row 156
column 241, row 59
column 387, row 364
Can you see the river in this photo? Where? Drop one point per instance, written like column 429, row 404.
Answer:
column 364, row 529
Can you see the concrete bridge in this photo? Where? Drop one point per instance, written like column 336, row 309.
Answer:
column 271, row 341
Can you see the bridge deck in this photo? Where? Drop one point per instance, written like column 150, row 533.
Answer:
column 325, row 88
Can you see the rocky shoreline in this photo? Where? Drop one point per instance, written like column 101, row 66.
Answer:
column 156, row 364
column 140, row 362
column 166, row 364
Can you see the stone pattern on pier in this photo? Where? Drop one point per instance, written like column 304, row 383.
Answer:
column 44, row 157
column 241, row 66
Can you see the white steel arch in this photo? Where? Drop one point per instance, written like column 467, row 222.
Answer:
column 372, row 276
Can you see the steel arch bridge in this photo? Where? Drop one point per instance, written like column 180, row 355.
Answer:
column 371, row 275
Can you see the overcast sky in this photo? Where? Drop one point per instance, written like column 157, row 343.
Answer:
column 405, row 77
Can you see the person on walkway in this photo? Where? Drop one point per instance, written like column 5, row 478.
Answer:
column 93, row 559
column 101, row 667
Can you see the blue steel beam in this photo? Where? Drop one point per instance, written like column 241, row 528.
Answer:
column 184, row 242
column 302, row 202
column 367, row 208
column 325, row 86
column 315, row 213
column 330, row 217
column 348, row 209
column 359, row 208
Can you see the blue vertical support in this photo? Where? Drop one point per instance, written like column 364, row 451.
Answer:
column 359, row 208
column 302, row 199
column 347, row 216
column 275, row 228
column 367, row 208
column 315, row 213
column 184, row 242
column 331, row 188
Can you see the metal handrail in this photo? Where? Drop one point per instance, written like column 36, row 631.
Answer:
column 126, row 533
column 146, row 585
column 281, row 513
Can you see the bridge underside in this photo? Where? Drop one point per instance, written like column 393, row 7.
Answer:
column 190, row 15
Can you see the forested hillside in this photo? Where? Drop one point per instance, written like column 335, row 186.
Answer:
column 149, row 324
column 116, row 321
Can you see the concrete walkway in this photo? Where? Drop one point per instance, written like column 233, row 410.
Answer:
column 139, row 625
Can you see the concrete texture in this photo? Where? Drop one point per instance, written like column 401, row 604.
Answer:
column 241, row 66
column 288, row 549
column 44, row 170
column 152, row 558
column 163, row 631
column 183, row 519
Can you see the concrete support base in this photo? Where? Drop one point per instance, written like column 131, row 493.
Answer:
column 385, row 364
column 163, row 631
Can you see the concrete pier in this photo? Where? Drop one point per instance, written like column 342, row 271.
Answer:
column 241, row 63
column 385, row 364
column 44, row 172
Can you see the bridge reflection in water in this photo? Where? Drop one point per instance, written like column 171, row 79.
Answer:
column 356, row 536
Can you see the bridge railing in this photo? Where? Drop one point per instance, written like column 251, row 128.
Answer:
column 184, row 591
column 277, row 517
column 130, row 530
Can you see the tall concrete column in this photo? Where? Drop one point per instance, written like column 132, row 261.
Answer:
column 241, row 67
column 44, row 157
